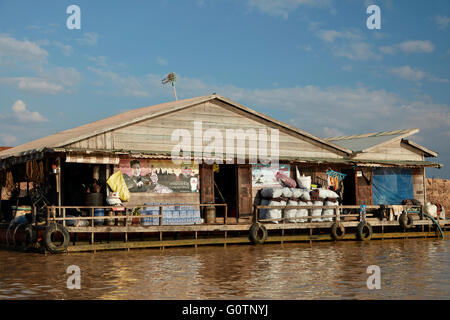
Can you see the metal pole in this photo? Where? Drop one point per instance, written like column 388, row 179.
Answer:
column 174, row 91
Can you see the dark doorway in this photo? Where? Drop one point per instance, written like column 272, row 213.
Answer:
column 225, row 189
column 349, row 197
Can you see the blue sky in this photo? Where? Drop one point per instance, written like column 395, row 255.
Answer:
column 311, row 63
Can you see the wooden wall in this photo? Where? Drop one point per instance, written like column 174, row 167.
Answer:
column 155, row 134
column 418, row 184
column 395, row 150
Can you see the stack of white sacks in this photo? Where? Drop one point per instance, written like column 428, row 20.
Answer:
column 297, row 197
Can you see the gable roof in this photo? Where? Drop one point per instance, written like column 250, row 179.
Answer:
column 427, row 152
column 366, row 142
column 70, row 136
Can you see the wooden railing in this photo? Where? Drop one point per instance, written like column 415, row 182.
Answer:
column 58, row 213
column 336, row 217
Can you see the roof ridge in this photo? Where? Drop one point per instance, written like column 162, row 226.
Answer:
column 374, row 134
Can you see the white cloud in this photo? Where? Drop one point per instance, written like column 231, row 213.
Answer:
column 125, row 85
column 351, row 46
column 38, row 85
column 332, row 35
column 17, row 52
column 387, row 50
column 100, row 60
column 443, row 22
column 88, row 39
column 282, row 8
column 8, row 140
column 347, row 68
column 49, row 81
column 416, row 46
column 161, row 61
column 408, row 73
column 357, row 51
column 65, row 48
column 22, row 114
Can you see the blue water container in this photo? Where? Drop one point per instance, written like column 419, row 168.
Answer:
column 99, row 213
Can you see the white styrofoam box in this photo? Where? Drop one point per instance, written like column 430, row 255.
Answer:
column 176, row 214
column 197, row 213
column 167, row 214
column 182, row 213
column 198, row 220
column 190, row 213
column 147, row 221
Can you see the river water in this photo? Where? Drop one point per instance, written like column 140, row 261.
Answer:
column 410, row 269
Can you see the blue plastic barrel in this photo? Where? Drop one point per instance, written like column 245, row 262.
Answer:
column 99, row 213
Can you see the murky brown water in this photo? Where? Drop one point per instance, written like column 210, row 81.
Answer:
column 410, row 269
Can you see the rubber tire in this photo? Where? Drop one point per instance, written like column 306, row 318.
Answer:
column 406, row 221
column 254, row 233
column 360, row 231
column 52, row 247
column 334, row 229
column 30, row 236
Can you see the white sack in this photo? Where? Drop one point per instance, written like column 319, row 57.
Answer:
column 287, row 192
column 291, row 213
column 271, row 192
column 317, row 212
column 302, row 212
column 296, row 193
column 327, row 212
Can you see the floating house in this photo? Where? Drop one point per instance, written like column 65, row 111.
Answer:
column 210, row 150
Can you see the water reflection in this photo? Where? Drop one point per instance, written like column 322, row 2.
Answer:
column 409, row 269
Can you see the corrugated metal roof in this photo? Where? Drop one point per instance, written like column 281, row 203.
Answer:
column 67, row 137
column 364, row 142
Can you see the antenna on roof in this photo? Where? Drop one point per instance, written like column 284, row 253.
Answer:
column 171, row 78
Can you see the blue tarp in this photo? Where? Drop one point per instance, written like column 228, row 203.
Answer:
column 392, row 185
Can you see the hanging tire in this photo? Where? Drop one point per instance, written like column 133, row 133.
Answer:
column 258, row 233
column 406, row 221
column 53, row 245
column 364, row 231
column 30, row 236
column 337, row 231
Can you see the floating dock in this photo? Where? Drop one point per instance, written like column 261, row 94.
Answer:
column 378, row 223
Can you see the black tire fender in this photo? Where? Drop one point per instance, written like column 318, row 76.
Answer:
column 52, row 246
column 406, row 221
column 364, row 231
column 337, row 231
column 258, row 233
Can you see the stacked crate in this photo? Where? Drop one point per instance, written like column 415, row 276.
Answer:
column 173, row 214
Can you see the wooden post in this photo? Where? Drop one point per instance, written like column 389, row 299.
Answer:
column 195, row 232
column 92, row 225
column 58, row 184
column 160, row 215
column 107, row 173
column 64, row 216
column 34, row 221
column 226, row 213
